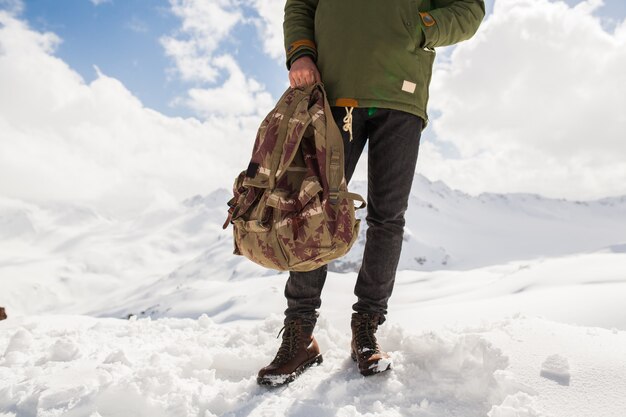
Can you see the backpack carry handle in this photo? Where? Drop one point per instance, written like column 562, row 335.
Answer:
column 282, row 130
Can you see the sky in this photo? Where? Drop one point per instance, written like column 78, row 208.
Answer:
column 122, row 38
column 118, row 90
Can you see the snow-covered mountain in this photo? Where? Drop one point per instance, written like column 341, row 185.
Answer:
column 57, row 256
column 504, row 306
column 449, row 229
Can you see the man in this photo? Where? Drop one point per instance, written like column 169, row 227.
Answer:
column 375, row 59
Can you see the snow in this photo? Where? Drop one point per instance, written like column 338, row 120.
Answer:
column 556, row 367
column 154, row 315
column 382, row 365
column 171, row 366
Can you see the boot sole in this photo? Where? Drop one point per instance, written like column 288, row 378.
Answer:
column 369, row 371
column 273, row 381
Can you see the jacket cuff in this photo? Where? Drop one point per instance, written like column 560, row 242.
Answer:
column 299, row 48
column 428, row 22
column 300, row 53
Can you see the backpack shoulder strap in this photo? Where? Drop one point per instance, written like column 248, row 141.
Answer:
column 334, row 154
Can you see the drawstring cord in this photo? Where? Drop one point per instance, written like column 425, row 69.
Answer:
column 347, row 121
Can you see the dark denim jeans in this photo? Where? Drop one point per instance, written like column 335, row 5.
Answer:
column 394, row 138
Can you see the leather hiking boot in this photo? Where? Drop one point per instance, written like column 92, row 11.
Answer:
column 365, row 349
column 298, row 351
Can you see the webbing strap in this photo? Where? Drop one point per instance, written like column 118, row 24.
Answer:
column 294, row 204
column 355, row 197
column 334, row 162
column 334, row 178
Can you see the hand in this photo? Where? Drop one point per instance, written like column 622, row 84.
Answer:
column 303, row 72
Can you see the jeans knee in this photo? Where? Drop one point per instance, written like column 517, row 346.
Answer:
column 386, row 215
column 394, row 222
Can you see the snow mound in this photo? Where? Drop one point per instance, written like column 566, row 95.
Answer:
column 182, row 367
column 516, row 405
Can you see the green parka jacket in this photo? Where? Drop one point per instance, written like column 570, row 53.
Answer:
column 377, row 53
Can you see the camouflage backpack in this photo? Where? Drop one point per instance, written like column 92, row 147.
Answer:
column 291, row 208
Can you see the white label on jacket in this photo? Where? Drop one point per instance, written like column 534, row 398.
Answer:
column 408, row 86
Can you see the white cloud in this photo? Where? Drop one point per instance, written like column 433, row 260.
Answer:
column 137, row 25
column 13, row 7
column 534, row 102
column 194, row 49
column 270, row 26
column 237, row 95
column 64, row 139
column 204, row 25
column 99, row 2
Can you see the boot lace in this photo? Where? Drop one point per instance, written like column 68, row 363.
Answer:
column 291, row 338
column 365, row 334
